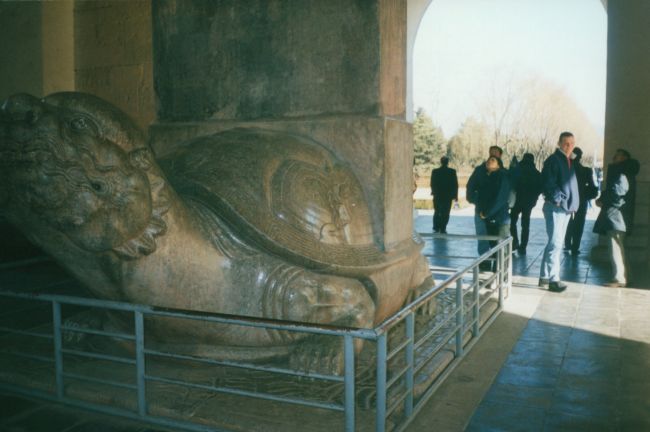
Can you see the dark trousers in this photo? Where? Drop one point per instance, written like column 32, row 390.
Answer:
column 441, row 210
column 575, row 228
column 494, row 228
column 525, row 226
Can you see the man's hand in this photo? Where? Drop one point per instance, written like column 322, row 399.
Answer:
column 599, row 203
column 481, row 215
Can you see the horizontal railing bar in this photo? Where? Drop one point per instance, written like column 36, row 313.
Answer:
column 397, row 376
column 436, row 351
column 98, row 332
column 26, row 332
column 214, row 317
column 460, row 236
column 268, row 323
column 454, row 257
column 264, row 396
column 396, row 404
column 98, row 356
column 27, row 356
column 247, row 366
column 487, row 300
column 492, row 279
column 397, row 349
column 421, row 340
column 99, row 380
column 469, row 293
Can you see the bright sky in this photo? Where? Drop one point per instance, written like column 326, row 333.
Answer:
column 464, row 45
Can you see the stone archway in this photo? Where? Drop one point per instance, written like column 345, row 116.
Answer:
column 628, row 101
column 415, row 12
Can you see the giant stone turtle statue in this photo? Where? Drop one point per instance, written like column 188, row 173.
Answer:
column 247, row 222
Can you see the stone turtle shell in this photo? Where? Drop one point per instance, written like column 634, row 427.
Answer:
column 284, row 194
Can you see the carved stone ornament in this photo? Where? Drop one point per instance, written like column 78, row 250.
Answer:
column 246, row 222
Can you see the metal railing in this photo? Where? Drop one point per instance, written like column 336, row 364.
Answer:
column 403, row 361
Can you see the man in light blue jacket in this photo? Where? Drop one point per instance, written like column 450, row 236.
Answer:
column 561, row 201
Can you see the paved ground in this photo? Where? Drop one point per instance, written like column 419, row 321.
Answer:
column 575, row 361
column 551, row 362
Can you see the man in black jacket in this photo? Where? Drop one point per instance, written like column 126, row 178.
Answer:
column 528, row 187
column 587, row 191
column 561, row 200
column 444, row 189
column 617, row 211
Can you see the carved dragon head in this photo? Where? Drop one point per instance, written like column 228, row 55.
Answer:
column 79, row 166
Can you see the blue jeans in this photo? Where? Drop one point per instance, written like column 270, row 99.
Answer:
column 479, row 224
column 557, row 220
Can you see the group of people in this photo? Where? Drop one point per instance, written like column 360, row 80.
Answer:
column 501, row 196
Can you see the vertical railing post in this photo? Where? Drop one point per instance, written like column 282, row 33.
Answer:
column 58, row 346
column 382, row 360
column 500, row 259
column 509, row 269
column 410, row 362
column 139, row 363
column 477, row 301
column 459, row 317
column 348, row 353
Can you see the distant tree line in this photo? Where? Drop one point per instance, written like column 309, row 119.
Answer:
column 520, row 118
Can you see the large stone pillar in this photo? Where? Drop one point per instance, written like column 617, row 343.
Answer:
column 628, row 102
column 332, row 70
column 37, row 57
column 37, row 47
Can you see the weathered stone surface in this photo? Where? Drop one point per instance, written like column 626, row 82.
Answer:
column 228, row 59
column 113, row 55
column 247, row 222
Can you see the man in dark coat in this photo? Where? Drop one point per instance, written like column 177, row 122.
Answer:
column 528, row 187
column 617, row 211
column 444, row 189
column 587, row 191
column 561, row 200
column 478, row 177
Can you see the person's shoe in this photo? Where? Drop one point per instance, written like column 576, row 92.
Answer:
column 521, row 250
column 575, row 252
column 543, row 282
column 615, row 284
column 557, row 286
